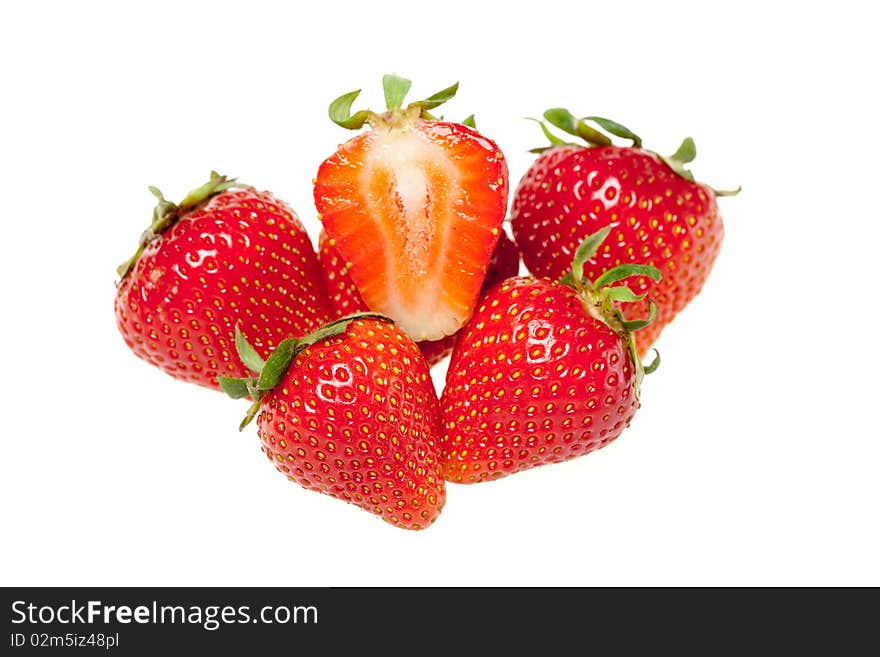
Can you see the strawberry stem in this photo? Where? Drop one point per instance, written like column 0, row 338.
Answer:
column 625, row 271
column 654, row 364
column 685, row 154
column 616, row 129
column 235, row 388
column 585, row 251
column 623, row 294
column 395, row 89
column 340, row 112
column 437, row 99
column 247, row 353
column 564, row 120
column 561, row 118
column 553, row 139
column 636, row 324
column 166, row 214
column 273, row 369
column 599, row 297
column 252, row 411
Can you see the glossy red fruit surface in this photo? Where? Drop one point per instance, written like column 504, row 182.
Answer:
column 241, row 258
column 534, row 379
column 658, row 218
column 356, row 417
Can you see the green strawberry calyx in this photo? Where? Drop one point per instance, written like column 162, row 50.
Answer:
column 395, row 88
column 166, row 213
column 268, row 373
column 564, row 120
column 601, row 297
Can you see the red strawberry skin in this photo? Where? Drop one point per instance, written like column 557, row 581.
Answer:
column 658, row 218
column 346, row 299
column 242, row 258
column 534, row 379
column 356, row 417
column 435, row 351
column 503, row 264
column 344, row 296
column 416, row 208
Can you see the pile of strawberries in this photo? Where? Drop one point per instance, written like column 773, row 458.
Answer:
column 333, row 349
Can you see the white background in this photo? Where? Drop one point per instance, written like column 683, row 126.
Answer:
column 754, row 459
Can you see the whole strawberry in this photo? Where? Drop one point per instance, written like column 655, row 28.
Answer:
column 415, row 205
column 350, row 411
column 658, row 214
column 346, row 299
column 543, row 372
column 225, row 256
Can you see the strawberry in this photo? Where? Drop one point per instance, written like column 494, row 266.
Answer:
column 226, row 256
column 543, row 372
column 504, row 262
column 346, row 299
column 416, row 206
column 434, row 351
column 659, row 214
column 344, row 295
column 350, row 411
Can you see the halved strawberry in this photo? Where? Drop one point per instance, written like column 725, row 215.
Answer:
column 416, row 206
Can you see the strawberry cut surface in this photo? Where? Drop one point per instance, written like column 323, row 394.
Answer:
column 346, row 299
column 416, row 210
